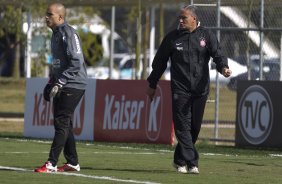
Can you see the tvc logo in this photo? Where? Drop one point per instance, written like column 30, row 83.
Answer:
column 255, row 114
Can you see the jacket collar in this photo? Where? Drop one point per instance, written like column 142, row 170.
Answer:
column 185, row 31
column 60, row 26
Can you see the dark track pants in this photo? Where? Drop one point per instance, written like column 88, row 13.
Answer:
column 64, row 105
column 188, row 114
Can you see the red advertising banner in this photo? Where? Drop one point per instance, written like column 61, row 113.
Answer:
column 124, row 113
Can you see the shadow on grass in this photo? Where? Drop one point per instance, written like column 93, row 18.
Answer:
column 205, row 147
column 245, row 163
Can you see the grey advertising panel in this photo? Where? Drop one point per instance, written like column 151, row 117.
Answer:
column 259, row 114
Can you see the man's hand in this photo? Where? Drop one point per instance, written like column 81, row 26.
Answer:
column 151, row 93
column 226, row 72
column 57, row 87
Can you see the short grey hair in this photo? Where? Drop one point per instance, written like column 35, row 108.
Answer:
column 193, row 9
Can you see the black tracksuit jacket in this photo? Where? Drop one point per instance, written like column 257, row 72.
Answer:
column 189, row 54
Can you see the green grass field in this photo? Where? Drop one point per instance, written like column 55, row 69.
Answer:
column 131, row 163
column 12, row 94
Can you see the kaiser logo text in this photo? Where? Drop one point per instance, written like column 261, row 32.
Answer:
column 122, row 113
column 43, row 113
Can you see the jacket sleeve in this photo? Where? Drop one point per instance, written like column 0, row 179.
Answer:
column 159, row 63
column 216, row 53
column 73, row 50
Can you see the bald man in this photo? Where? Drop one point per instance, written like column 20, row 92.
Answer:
column 66, row 86
column 55, row 15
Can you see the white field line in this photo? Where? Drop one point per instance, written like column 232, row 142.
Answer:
column 275, row 155
column 217, row 154
column 81, row 175
column 219, row 126
column 31, row 140
column 90, row 144
column 95, row 152
column 203, row 125
column 120, row 147
column 139, row 153
column 120, row 153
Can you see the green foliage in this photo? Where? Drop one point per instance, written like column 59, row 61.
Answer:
column 38, row 66
column 39, row 62
column 91, row 43
column 10, row 20
column 11, row 33
column 133, row 14
column 91, row 47
column 80, row 15
column 37, row 8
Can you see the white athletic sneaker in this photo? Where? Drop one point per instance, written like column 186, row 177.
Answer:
column 180, row 169
column 193, row 170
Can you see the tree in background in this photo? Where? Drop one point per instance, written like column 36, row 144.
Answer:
column 91, row 43
column 11, row 40
column 91, row 47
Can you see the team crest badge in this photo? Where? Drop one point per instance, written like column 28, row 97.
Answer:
column 202, row 42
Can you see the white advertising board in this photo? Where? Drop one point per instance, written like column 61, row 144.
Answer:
column 38, row 116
